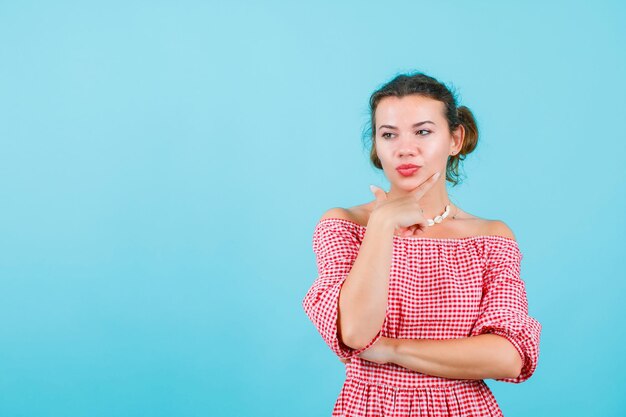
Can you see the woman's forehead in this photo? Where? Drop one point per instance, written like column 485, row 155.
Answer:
column 405, row 109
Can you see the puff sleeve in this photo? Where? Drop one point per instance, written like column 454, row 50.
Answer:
column 504, row 306
column 336, row 247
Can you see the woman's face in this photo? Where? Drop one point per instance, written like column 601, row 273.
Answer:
column 413, row 130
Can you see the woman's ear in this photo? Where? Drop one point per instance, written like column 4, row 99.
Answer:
column 457, row 139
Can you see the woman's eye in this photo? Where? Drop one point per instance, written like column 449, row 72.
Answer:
column 423, row 130
column 384, row 135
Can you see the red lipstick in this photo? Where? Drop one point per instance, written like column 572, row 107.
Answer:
column 407, row 170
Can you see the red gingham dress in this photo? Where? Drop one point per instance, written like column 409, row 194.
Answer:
column 439, row 288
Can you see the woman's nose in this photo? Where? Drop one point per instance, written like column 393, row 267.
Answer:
column 408, row 147
column 407, row 151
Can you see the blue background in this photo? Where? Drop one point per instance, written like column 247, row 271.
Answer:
column 163, row 165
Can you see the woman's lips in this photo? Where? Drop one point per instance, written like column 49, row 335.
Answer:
column 407, row 172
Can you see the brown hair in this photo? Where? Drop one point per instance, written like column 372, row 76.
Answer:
column 424, row 85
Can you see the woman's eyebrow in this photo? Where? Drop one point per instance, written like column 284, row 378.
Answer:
column 415, row 125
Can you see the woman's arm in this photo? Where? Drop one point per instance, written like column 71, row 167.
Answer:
column 364, row 294
column 477, row 357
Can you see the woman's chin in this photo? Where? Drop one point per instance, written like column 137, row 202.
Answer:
column 408, row 183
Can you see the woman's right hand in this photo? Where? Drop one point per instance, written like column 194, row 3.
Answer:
column 405, row 212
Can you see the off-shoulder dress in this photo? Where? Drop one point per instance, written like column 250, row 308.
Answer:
column 439, row 288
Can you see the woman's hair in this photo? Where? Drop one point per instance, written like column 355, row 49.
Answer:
column 424, row 85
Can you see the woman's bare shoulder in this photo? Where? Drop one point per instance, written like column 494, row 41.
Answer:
column 483, row 226
column 355, row 214
column 500, row 228
column 337, row 213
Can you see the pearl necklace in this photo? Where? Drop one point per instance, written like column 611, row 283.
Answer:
column 439, row 219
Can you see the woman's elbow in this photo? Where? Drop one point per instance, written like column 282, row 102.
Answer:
column 353, row 342
column 515, row 365
column 510, row 360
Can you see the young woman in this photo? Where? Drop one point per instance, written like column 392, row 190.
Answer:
column 421, row 300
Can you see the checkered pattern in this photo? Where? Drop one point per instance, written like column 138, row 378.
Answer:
column 438, row 289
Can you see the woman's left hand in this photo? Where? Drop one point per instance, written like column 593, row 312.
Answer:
column 380, row 352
